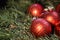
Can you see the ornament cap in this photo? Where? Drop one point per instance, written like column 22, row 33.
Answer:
column 46, row 9
column 34, row 18
column 50, row 8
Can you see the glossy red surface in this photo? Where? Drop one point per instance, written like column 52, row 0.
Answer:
column 52, row 17
column 40, row 27
column 57, row 29
column 58, row 8
column 35, row 10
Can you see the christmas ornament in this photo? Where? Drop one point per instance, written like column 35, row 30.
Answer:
column 35, row 10
column 58, row 8
column 40, row 27
column 52, row 17
column 57, row 29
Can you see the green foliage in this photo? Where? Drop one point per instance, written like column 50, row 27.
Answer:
column 13, row 14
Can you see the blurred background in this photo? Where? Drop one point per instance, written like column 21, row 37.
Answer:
column 15, row 20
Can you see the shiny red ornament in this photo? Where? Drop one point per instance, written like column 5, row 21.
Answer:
column 40, row 27
column 57, row 29
column 58, row 8
column 35, row 10
column 52, row 17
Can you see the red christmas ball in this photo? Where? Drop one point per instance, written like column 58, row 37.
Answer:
column 52, row 17
column 40, row 27
column 57, row 29
column 58, row 8
column 35, row 10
